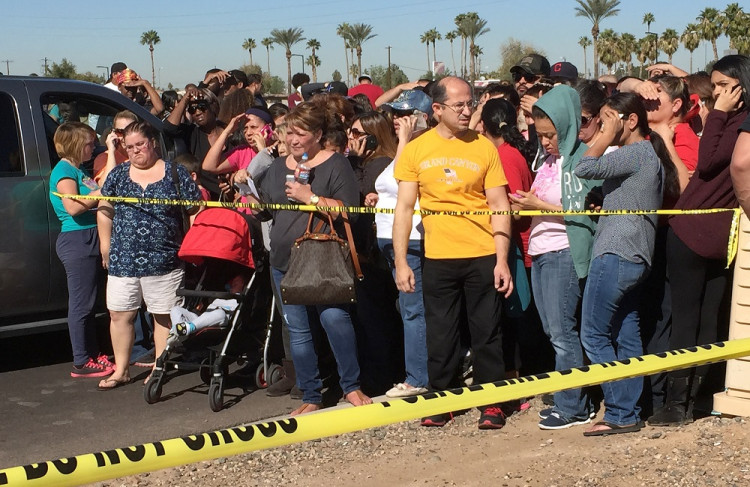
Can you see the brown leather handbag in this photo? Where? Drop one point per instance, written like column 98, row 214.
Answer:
column 322, row 267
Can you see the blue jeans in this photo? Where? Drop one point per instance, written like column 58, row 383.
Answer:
column 610, row 329
column 557, row 291
column 338, row 326
column 412, row 313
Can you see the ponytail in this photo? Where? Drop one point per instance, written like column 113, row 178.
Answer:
column 671, row 179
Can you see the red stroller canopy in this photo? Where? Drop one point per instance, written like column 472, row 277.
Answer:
column 220, row 233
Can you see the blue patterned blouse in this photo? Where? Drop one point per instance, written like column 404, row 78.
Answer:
column 146, row 237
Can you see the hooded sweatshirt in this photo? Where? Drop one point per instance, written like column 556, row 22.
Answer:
column 563, row 107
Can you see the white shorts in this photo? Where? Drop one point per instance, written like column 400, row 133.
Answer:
column 159, row 292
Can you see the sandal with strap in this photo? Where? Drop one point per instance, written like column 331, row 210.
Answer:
column 112, row 383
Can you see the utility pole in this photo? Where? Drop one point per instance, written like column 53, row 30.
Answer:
column 388, row 71
column 7, row 65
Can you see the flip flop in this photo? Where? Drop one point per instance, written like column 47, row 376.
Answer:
column 361, row 398
column 614, row 429
column 115, row 383
column 305, row 408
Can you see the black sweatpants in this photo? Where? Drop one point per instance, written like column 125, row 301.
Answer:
column 698, row 286
column 445, row 282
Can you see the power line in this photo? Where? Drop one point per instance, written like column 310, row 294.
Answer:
column 7, row 65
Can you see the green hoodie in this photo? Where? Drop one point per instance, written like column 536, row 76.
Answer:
column 563, row 107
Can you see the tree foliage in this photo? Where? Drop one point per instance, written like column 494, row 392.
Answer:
column 379, row 75
column 67, row 70
column 271, row 84
column 512, row 51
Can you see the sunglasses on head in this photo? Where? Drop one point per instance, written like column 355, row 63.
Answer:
column 529, row 78
column 194, row 107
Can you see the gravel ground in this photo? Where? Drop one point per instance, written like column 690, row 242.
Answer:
column 710, row 452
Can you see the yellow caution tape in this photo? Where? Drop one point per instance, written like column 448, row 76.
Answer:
column 94, row 467
column 731, row 246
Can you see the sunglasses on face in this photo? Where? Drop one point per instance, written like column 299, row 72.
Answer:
column 356, row 133
column 194, row 107
column 119, row 132
column 529, row 78
column 403, row 113
column 586, row 120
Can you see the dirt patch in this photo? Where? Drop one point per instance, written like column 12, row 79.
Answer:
column 710, row 452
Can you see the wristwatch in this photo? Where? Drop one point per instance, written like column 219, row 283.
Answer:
column 314, row 199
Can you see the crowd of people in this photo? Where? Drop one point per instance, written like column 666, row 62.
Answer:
column 444, row 297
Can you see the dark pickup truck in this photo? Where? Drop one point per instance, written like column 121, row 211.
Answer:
column 33, row 294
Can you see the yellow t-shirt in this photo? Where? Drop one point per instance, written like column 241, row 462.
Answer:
column 452, row 176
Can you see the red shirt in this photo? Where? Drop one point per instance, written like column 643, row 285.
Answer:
column 686, row 145
column 519, row 177
column 372, row 92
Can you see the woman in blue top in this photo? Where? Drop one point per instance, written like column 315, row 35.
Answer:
column 78, row 244
column 139, row 243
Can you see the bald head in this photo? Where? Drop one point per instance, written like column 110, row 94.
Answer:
column 448, row 86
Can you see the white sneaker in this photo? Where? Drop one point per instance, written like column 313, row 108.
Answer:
column 403, row 390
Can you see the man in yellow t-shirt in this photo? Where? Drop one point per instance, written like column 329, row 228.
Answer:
column 452, row 168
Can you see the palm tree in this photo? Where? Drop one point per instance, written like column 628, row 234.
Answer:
column 648, row 19
column 342, row 30
column 691, row 39
column 313, row 60
column 151, row 38
column 450, row 36
column 710, row 27
column 288, row 38
column 249, row 45
column 476, row 51
column 628, row 45
column 645, row 46
column 584, row 42
column 426, row 39
column 596, row 11
column 435, row 36
column 734, row 23
column 360, row 33
column 669, row 43
column 268, row 43
column 608, row 48
column 459, row 20
column 473, row 27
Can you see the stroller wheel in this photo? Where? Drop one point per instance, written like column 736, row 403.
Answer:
column 152, row 391
column 275, row 373
column 216, row 396
column 260, row 377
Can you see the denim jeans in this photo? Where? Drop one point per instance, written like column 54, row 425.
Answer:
column 338, row 327
column 557, row 291
column 79, row 252
column 610, row 329
column 412, row 313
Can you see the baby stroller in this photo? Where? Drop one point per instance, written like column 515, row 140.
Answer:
column 217, row 325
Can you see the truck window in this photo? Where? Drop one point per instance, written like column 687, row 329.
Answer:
column 11, row 156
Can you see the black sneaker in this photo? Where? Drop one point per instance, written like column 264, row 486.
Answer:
column 438, row 420
column 492, row 418
column 545, row 413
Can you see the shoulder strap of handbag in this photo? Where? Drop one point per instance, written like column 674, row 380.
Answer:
column 349, row 236
column 183, row 210
column 350, row 239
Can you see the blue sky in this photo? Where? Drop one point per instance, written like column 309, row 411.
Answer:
column 196, row 36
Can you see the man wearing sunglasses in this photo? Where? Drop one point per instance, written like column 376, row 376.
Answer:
column 528, row 71
column 452, row 168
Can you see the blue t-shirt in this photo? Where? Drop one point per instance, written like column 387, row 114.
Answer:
column 146, row 237
column 65, row 170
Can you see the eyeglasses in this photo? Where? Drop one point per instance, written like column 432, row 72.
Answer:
column 460, row 107
column 138, row 145
column 356, row 133
column 201, row 105
column 529, row 78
